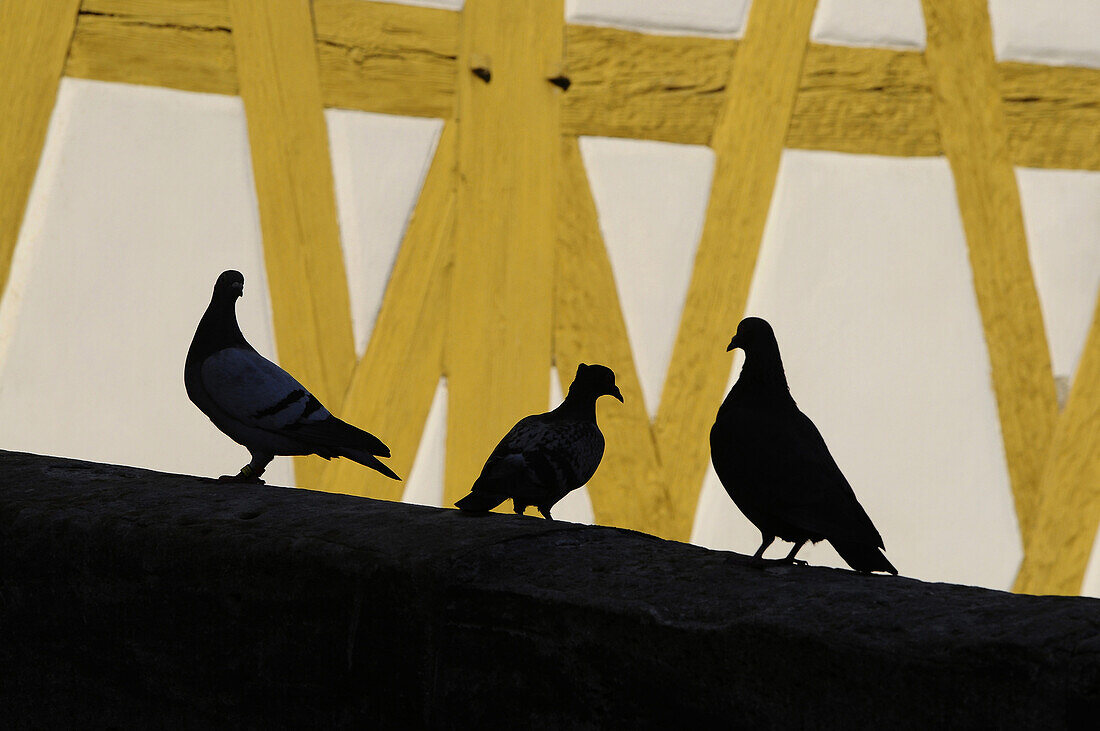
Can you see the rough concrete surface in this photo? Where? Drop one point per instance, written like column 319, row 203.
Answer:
column 133, row 598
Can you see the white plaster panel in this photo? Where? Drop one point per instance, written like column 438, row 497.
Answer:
column 424, row 483
column 721, row 18
column 143, row 197
column 880, row 23
column 379, row 162
column 444, row 4
column 1090, row 586
column 651, row 198
column 1066, row 32
column 863, row 273
column 1062, row 219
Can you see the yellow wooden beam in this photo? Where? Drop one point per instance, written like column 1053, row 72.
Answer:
column 277, row 64
column 627, row 490
column 392, row 387
column 400, row 59
column 1053, row 115
column 866, row 101
column 34, row 38
column 181, row 44
column 975, row 137
column 748, row 141
column 384, row 57
column 628, row 84
column 499, row 336
column 1069, row 507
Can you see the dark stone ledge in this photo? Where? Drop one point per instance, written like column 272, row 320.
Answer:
column 139, row 599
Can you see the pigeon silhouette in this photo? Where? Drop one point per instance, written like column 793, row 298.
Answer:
column 545, row 456
column 259, row 405
column 774, row 464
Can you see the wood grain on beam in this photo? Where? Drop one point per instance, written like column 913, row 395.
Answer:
column 277, row 64
column 34, row 38
column 975, row 138
column 499, row 335
column 748, row 142
column 393, row 384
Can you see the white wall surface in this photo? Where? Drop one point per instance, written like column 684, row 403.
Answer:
column 379, row 162
column 445, row 4
column 863, row 273
column 1061, row 32
column 721, row 18
column 879, row 23
column 651, row 198
column 142, row 198
column 424, row 483
column 1062, row 219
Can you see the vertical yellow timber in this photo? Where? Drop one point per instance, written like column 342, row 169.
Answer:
column 498, row 348
column 280, row 86
column 975, row 139
column 392, row 387
column 748, row 143
column 1065, row 529
column 34, row 41
column 589, row 328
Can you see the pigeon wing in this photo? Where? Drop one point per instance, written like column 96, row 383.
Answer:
column 254, row 391
column 800, row 481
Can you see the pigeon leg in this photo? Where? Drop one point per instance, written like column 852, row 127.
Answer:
column 518, row 507
column 790, row 556
column 545, row 513
column 764, row 543
column 251, row 472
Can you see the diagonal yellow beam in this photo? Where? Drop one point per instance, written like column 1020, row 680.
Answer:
column 280, row 87
column 975, row 138
column 392, row 387
column 498, row 349
column 1069, row 504
column 589, row 328
column 748, row 143
column 34, row 40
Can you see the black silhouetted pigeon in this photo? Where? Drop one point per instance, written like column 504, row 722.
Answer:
column 259, row 405
column 774, row 464
column 545, row 456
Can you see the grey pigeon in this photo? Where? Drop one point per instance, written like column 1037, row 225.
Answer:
column 545, row 456
column 259, row 405
column 774, row 464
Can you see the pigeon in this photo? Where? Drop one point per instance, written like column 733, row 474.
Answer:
column 775, row 466
column 545, row 456
column 259, row 405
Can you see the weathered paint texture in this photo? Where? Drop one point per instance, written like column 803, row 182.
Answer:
column 280, row 86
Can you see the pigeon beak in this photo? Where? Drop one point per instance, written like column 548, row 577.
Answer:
column 733, row 344
column 615, row 393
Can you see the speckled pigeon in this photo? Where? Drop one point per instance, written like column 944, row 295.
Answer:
column 545, row 456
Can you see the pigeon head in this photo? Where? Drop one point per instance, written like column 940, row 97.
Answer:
column 596, row 380
column 753, row 334
column 230, row 285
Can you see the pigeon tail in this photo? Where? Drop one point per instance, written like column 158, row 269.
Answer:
column 863, row 557
column 340, row 436
column 480, row 502
column 368, row 460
